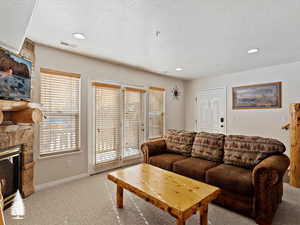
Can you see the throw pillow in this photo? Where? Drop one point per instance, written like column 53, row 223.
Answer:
column 209, row 146
column 180, row 141
column 246, row 151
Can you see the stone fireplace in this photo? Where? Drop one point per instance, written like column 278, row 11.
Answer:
column 16, row 132
column 20, row 139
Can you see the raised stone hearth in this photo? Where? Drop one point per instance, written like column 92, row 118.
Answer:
column 20, row 135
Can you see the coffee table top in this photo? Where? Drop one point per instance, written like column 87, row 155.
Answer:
column 175, row 191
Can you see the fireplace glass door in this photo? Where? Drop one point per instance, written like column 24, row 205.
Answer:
column 9, row 173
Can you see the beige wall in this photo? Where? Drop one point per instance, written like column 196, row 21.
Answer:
column 52, row 169
column 262, row 122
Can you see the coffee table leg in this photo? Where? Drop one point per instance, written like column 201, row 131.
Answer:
column 203, row 215
column 180, row 222
column 119, row 197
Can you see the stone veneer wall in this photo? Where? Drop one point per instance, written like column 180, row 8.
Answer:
column 13, row 135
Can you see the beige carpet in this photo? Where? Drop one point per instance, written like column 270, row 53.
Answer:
column 91, row 201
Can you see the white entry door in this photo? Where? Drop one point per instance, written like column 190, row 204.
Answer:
column 211, row 107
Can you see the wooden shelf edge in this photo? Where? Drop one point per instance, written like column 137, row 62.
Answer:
column 13, row 106
column 8, row 105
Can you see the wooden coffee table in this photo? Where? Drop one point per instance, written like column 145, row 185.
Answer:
column 178, row 195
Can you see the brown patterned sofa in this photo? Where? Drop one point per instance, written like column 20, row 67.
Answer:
column 249, row 170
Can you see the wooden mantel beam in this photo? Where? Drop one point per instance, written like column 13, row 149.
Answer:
column 27, row 116
column 295, row 144
column 21, row 111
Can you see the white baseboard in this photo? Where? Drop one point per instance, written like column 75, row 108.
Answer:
column 44, row 186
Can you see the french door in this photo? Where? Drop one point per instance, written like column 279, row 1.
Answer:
column 119, row 124
column 133, row 129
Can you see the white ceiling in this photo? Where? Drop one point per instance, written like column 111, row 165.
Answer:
column 14, row 19
column 204, row 37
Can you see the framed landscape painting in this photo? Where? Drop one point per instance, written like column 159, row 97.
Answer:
column 260, row 96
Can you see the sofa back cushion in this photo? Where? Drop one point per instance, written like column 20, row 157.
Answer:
column 209, row 146
column 246, row 151
column 180, row 141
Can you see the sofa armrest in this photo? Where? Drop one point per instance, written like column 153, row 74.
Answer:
column 275, row 166
column 153, row 147
column 267, row 181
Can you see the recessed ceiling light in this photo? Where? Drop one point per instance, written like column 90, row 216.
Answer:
column 79, row 36
column 253, row 50
column 179, row 69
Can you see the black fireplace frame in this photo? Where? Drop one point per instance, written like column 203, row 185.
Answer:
column 13, row 154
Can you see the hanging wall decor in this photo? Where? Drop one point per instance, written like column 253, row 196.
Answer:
column 259, row 96
column 176, row 93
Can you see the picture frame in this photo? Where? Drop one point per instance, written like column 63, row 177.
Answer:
column 257, row 96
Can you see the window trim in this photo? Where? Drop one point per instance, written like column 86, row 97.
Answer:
column 60, row 154
column 67, row 152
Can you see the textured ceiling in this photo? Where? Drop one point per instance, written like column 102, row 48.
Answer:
column 204, row 37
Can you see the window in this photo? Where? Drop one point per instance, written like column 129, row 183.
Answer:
column 156, row 112
column 60, row 100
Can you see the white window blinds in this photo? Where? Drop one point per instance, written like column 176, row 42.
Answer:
column 133, row 121
column 60, row 100
column 156, row 112
column 108, row 122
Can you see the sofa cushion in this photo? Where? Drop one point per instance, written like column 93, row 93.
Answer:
column 165, row 161
column 193, row 167
column 179, row 141
column 246, row 151
column 231, row 178
column 209, row 146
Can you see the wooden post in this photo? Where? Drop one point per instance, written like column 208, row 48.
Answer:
column 180, row 222
column 203, row 214
column 119, row 197
column 27, row 116
column 2, row 222
column 295, row 145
